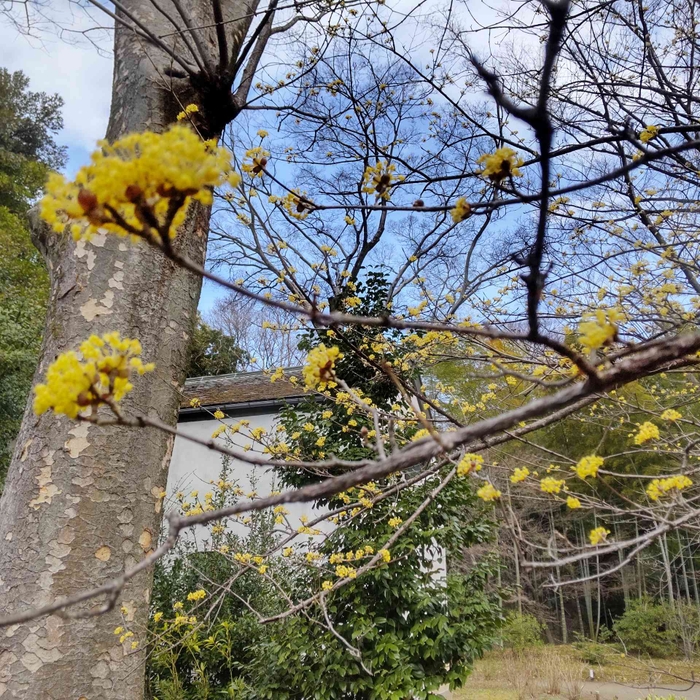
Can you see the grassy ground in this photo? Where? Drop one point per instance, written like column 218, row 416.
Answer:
column 559, row 672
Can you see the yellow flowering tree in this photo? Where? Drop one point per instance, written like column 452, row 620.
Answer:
column 584, row 315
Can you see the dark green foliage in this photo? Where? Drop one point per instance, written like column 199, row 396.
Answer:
column 212, row 352
column 28, row 121
column 414, row 630
column 647, row 628
column 359, row 373
column 521, row 631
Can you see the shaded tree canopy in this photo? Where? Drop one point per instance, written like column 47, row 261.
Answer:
column 28, row 124
column 212, row 352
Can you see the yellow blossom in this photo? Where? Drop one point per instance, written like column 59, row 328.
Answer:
column 519, row 474
column 343, row 571
column 142, row 184
column 488, row 492
column 588, row 466
column 598, row 329
column 551, row 485
column 469, row 462
column 385, row 554
column 98, row 374
column 573, row 502
column 648, row 133
column 190, row 109
column 499, row 165
column 378, row 179
column 598, row 535
column 395, row 521
column 661, row 487
column 671, row 414
column 197, row 595
column 647, row 431
column 218, row 414
column 327, row 585
column 461, row 211
column 319, row 368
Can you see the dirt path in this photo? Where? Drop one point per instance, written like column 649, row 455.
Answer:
column 612, row 691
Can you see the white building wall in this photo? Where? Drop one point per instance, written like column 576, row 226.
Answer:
column 193, row 467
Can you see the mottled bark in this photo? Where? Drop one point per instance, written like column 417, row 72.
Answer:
column 81, row 502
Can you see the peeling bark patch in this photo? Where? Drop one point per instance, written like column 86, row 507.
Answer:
column 34, row 645
column 158, row 492
column 25, row 449
column 108, row 299
column 103, row 553
column 82, row 252
column 91, row 309
column 31, row 662
column 47, row 489
column 79, row 442
column 115, row 282
column 145, row 540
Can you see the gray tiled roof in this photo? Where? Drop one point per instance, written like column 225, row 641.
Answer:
column 240, row 388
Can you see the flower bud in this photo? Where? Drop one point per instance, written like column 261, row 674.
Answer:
column 133, row 193
column 87, row 200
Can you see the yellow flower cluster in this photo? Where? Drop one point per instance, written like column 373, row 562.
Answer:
column 297, row 204
column 379, row 178
column 488, row 492
column 255, row 161
column 190, row 109
column 519, row 474
column 599, row 328
column 469, row 462
column 139, row 183
column 598, row 535
column 660, row 487
column 197, row 595
column 461, row 211
column 340, row 557
column 647, row 431
column 551, row 485
column 588, row 466
column 319, row 369
column 573, row 502
column 671, row 414
column 649, row 133
column 499, row 165
column 100, row 373
column 343, row 571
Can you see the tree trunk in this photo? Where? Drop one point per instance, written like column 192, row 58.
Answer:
column 667, row 569
column 81, row 502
